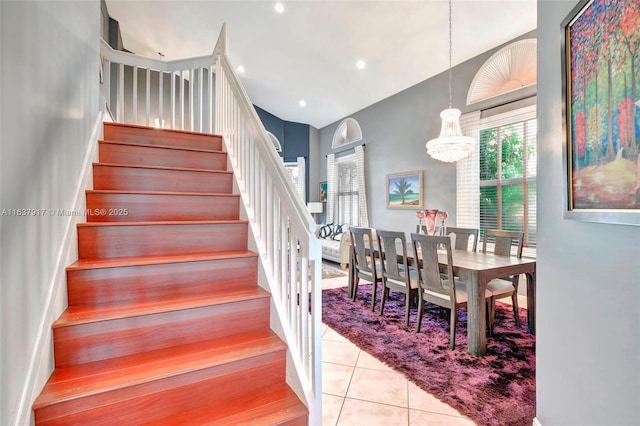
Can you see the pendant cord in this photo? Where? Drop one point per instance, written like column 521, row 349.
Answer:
column 450, row 48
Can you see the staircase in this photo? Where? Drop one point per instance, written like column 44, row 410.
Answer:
column 166, row 323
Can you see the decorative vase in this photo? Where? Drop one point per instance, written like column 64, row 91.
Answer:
column 442, row 215
column 430, row 215
column 420, row 216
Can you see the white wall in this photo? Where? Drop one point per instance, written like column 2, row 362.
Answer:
column 49, row 107
column 588, row 341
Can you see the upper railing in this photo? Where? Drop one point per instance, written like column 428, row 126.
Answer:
column 283, row 229
column 165, row 94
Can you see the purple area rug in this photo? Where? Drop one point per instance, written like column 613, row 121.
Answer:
column 496, row 389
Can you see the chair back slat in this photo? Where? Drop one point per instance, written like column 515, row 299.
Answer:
column 425, row 249
column 504, row 241
column 361, row 241
column 389, row 242
column 463, row 235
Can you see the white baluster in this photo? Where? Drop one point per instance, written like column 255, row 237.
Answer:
column 148, row 97
column 135, row 95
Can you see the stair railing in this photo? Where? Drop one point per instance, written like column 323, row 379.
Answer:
column 283, row 229
column 182, row 95
column 282, row 226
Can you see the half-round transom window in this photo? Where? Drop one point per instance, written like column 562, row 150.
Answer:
column 511, row 68
column 348, row 131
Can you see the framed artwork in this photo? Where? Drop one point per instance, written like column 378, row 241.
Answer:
column 404, row 190
column 323, row 192
column 601, row 96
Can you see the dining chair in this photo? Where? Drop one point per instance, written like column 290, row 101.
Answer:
column 364, row 262
column 462, row 237
column 396, row 273
column 449, row 292
column 504, row 241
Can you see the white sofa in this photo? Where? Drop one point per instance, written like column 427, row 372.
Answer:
column 335, row 247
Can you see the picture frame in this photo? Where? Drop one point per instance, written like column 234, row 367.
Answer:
column 601, row 120
column 323, row 192
column 405, row 190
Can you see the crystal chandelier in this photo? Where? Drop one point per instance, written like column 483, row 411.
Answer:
column 451, row 145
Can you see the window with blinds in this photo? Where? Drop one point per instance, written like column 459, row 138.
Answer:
column 347, row 191
column 297, row 171
column 508, row 178
column 497, row 184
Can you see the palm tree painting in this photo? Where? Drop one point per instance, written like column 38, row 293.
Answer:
column 603, row 114
column 404, row 190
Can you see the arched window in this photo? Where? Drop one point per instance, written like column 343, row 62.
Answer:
column 274, row 141
column 511, row 68
column 348, row 131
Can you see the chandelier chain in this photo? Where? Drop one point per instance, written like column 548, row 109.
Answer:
column 450, row 49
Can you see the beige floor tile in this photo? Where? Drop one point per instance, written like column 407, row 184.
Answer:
column 335, row 282
column 368, row 361
column 344, row 353
column 422, row 418
column 379, row 386
column 333, row 335
column 336, row 378
column 331, row 406
column 324, row 329
column 421, row 400
column 364, row 413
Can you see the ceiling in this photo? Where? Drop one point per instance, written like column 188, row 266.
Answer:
column 310, row 50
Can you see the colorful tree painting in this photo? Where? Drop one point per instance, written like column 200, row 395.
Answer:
column 604, row 70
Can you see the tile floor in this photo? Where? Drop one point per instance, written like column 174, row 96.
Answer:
column 358, row 390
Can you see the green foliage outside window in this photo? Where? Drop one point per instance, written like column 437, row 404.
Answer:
column 507, row 194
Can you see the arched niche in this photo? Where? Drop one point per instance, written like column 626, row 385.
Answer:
column 511, row 68
column 348, row 131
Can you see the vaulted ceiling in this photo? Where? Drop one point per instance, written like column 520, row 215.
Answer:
column 310, row 51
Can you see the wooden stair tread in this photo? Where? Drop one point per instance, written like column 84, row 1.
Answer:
column 175, row 148
column 68, row 383
column 154, row 129
column 182, row 169
column 83, row 264
column 120, row 191
column 269, row 406
column 176, row 331
column 168, row 222
column 80, row 315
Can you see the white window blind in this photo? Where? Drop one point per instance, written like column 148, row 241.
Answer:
column 348, row 202
column 497, row 185
column 297, row 171
column 468, row 176
column 331, row 187
column 301, row 183
column 362, row 188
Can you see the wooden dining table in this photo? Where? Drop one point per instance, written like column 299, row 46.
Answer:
column 477, row 269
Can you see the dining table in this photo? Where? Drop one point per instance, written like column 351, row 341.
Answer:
column 477, row 269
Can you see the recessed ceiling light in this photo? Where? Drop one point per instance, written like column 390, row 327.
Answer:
column 361, row 64
column 303, row 103
column 279, row 7
column 241, row 69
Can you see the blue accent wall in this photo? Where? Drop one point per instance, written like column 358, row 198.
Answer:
column 294, row 138
column 272, row 123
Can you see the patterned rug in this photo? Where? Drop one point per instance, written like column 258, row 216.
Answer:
column 495, row 389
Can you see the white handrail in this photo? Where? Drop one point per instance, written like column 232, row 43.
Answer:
column 283, row 229
column 282, row 226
